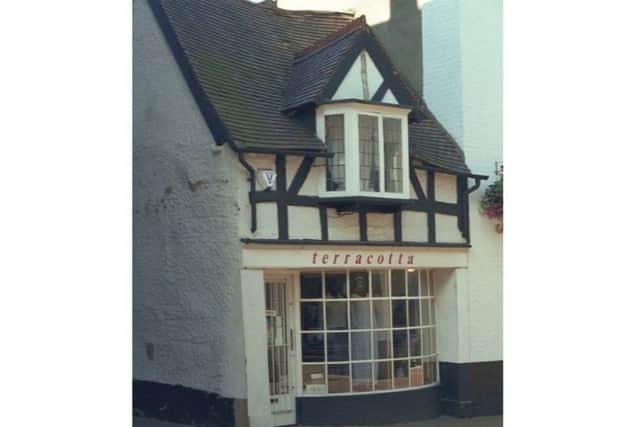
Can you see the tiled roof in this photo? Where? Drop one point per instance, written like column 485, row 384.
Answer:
column 240, row 53
column 315, row 66
column 247, row 62
column 430, row 143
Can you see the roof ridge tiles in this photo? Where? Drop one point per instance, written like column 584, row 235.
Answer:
column 310, row 12
column 355, row 25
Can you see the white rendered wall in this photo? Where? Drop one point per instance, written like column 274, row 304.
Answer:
column 462, row 52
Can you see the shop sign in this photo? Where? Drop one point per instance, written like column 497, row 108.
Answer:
column 360, row 258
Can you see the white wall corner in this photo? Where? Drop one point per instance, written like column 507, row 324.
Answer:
column 463, row 315
column 255, row 325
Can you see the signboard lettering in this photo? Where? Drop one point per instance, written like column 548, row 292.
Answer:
column 391, row 258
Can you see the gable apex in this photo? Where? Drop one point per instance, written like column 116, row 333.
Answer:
column 362, row 81
column 335, row 70
column 389, row 98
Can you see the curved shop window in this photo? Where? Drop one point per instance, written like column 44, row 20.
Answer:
column 367, row 331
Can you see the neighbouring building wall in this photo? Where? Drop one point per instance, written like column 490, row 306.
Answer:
column 187, row 307
column 442, row 64
column 462, row 44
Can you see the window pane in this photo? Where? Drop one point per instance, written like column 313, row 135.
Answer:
column 400, row 344
column 416, row 375
column 397, row 283
column 382, row 375
column 381, row 314
column 430, row 366
column 313, row 380
column 414, row 312
column 399, row 313
column 382, row 345
column 360, row 345
column 339, row 378
column 424, row 284
column 369, row 163
column 428, row 315
column 337, row 347
column 392, row 155
column 359, row 284
column 360, row 315
column 335, row 285
column 334, row 137
column 412, row 283
column 336, row 315
column 310, row 285
column 311, row 316
column 361, row 376
column 379, row 283
column 312, row 348
column 428, row 341
column 401, row 372
column 415, row 346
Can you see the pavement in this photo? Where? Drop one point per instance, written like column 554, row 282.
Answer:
column 493, row 421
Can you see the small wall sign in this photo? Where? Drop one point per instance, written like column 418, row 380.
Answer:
column 268, row 177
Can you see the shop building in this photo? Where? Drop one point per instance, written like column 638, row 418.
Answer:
column 302, row 229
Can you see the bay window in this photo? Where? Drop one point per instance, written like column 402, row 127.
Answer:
column 369, row 144
column 366, row 331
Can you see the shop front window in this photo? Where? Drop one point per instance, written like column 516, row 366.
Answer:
column 368, row 330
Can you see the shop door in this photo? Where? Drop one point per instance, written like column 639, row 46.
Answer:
column 280, row 349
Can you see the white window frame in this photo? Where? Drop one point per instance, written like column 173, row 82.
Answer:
column 350, row 111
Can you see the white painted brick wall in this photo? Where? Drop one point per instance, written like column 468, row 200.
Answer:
column 186, row 269
column 462, row 51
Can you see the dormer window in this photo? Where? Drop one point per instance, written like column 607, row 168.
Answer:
column 370, row 148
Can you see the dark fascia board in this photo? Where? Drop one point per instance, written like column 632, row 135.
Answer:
column 361, row 203
column 354, row 243
column 219, row 131
column 435, row 168
column 287, row 152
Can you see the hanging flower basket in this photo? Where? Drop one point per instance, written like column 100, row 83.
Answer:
column 491, row 204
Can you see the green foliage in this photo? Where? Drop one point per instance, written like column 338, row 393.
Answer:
column 491, row 204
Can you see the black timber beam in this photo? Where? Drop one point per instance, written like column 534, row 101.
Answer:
column 301, row 175
column 353, row 243
column 416, row 183
column 281, row 189
column 431, row 215
column 397, row 226
column 362, row 223
column 324, row 227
